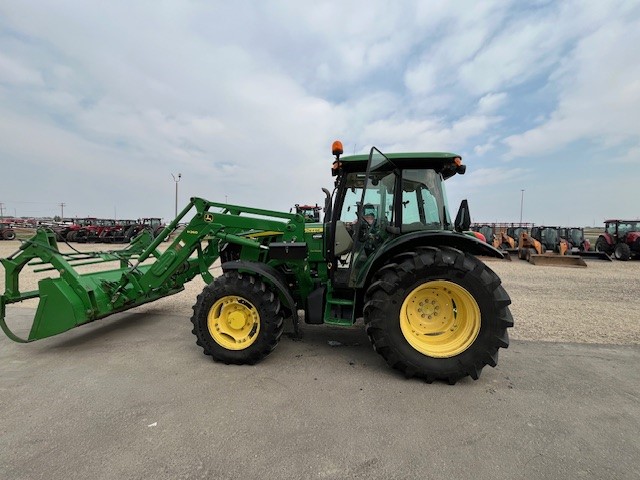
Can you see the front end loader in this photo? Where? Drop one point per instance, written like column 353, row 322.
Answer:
column 387, row 252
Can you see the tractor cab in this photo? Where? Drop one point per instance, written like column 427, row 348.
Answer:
column 384, row 202
column 577, row 240
column 549, row 237
column 383, row 205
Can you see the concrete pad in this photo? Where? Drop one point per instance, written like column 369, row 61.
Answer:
column 132, row 396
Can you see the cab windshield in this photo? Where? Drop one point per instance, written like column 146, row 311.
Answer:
column 424, row 201
column 424, row 205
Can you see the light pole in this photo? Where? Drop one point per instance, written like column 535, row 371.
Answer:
column 176, row 180
column 521, row 203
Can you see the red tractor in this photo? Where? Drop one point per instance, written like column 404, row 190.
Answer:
column 76, row 231
column 153, row 225
column 117, row 233
column 620, row 238
column 90, row 232
column 7, row 232
column 310, row 213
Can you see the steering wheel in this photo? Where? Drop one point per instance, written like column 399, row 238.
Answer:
column 364, row 227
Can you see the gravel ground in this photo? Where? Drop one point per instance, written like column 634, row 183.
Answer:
column 597, row 304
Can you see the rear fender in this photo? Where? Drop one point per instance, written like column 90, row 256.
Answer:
column 411, row 241
column 608, row 238
column 273, row 277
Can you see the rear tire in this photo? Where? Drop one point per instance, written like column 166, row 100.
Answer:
column 602, row 245
column 237, row 319
column 8, row 234
column 622, row 251
column 467, row 305
column 528, row 253
column 157, row 231
column 129, row 234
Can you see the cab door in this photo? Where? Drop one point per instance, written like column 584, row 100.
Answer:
column 377, row 213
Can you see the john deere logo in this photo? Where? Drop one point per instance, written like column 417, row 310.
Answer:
column 208, row 217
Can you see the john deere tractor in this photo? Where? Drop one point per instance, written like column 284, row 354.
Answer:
column 387, row 252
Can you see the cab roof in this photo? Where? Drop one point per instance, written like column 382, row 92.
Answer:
column 442, row 162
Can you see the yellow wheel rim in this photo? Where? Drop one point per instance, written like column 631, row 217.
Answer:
column 233, row 322
column 440, row 319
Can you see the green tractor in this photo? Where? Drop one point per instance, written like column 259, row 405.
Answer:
column 387, row 252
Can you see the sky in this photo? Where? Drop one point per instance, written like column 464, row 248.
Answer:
column 102, row 104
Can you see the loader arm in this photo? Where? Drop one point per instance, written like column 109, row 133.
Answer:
column 144, row 275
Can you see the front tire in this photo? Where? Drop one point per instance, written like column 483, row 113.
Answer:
column 437, row 314
column 622, row 252
column 237, row 319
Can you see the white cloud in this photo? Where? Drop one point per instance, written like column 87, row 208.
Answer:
column 397, row 134
column 485, row 177
column 12, row 72
column 482, row 149
column 491, row 102
column 632, row 156
column 245, row 99
column 599, row 95
column 461, row 33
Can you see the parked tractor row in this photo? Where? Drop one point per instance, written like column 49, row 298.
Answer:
column 620, row 239
column 100, row 230
column 539, row 244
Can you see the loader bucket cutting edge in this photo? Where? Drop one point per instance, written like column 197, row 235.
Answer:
column 594, row 255
column 557, row 260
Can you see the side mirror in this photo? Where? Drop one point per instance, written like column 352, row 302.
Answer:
column 463, row 218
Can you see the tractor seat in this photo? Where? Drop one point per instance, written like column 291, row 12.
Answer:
column 344, row 242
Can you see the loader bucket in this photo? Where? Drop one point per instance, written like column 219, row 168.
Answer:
column 594, row 255
column 60, row 309
column 557, row 260
column 72, row 299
